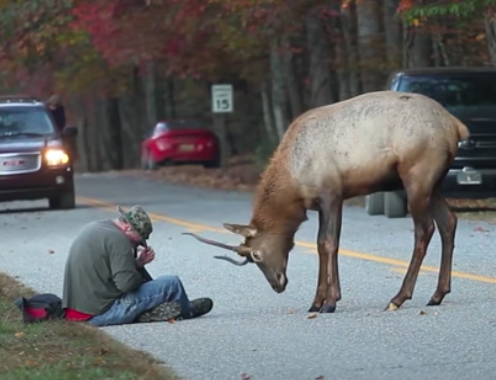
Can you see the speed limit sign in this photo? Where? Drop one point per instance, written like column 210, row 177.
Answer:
column 222, row 98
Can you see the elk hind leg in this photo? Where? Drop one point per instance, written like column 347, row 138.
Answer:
column 419, row 194
column 446, row 221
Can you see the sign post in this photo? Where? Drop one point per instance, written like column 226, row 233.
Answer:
column 222, row 103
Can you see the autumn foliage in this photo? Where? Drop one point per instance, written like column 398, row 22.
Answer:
column 190, row 38
column 194, row 38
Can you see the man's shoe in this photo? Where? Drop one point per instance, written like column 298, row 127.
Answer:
column 161, row 313
column 201, row 306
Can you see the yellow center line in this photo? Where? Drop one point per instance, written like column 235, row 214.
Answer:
column 309, row 247
column 403, row 271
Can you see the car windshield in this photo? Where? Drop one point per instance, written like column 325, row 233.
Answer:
column 24, row 120
column 458, row 93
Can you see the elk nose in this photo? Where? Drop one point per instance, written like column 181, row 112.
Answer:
column 283, row 281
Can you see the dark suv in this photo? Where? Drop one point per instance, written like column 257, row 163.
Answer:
column 470, row 95
column 35, row 161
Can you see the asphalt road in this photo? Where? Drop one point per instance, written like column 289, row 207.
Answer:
column 266, row 335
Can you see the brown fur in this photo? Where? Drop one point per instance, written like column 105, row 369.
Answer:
column 379, row 141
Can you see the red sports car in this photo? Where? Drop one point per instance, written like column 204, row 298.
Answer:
column 180, row 141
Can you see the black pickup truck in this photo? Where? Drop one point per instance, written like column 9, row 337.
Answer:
column 470, row 95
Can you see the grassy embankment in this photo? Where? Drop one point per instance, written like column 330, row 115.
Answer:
column 64, row 351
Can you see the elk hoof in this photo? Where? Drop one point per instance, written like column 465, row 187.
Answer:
column 432, row 302
column 314, row 309
column 328, row 308
column 391, row 307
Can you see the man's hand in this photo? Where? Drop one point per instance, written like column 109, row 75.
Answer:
column 146, row 256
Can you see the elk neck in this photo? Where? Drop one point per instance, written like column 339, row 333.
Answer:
column 278, row 207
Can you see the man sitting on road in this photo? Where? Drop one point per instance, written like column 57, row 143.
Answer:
column 106, row 284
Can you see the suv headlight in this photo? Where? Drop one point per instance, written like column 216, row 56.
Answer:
column 56, row 157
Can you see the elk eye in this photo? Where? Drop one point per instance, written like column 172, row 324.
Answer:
column 256, row 255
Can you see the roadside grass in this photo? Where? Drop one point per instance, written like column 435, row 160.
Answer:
column 59, row 350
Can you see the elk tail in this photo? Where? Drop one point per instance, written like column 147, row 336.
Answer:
column 463, row 131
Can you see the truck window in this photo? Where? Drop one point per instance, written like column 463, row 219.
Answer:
column 456, row 93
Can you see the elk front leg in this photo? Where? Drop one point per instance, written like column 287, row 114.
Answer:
column 329, row 287
column 321, row 293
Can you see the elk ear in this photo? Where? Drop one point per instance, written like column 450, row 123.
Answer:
column 240, row 229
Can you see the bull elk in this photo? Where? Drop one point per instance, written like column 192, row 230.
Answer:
column 378, row 141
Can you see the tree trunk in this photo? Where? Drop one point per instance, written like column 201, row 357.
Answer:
column 349, row 26
column 99, row 128
column 392, row 29
column 279, row 101
column 112, row 137
column 132, row 129
column 82, row 141
column 93, row 135
column 268, row 117
column 292, row 87
column 369, row 29
column 439, row 51
column 170, row 103
column 155, row 102
column 417, row 48
column 417, row 45
column 319, row 61
column 490, row 23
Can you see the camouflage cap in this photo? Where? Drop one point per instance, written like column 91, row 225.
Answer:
column 139, row 220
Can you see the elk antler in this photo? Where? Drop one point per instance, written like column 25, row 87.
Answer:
column 232, row 261
column 222, row 245
column 212, row 242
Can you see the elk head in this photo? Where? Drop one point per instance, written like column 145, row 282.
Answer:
column 269, row 252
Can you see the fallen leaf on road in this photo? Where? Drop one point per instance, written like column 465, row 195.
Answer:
column 422, row 312
column 171, row 321
column 50, row 251
column 319, row 377
column 19, row 334
column 244, row 376
column 312, row 316
column 480, row 229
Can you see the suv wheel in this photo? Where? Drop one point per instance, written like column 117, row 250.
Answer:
column 65, row 201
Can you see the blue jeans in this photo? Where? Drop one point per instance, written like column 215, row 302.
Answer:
column 149, row 295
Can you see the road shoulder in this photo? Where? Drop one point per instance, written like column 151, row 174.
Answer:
column 56, row 350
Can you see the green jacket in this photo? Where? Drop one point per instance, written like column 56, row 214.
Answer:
column 100, row 268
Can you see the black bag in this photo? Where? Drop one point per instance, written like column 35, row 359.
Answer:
column 40, row 307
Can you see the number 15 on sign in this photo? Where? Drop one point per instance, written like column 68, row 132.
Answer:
column 222, row 98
